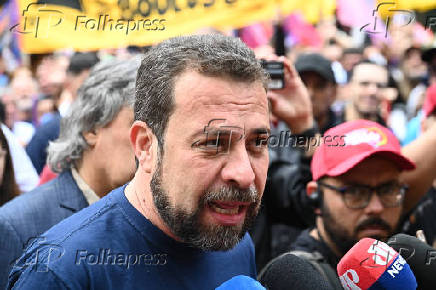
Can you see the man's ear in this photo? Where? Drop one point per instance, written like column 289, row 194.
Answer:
column 142, row 140
column 91, row 137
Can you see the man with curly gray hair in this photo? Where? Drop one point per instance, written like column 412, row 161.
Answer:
column 200, row 130
column 92, row 154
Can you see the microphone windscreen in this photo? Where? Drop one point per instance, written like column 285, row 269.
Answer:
column 420, row 256
column 241, row 282
column 291, row 272
column 371, row 264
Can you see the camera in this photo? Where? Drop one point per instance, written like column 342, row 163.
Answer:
column 276, row 71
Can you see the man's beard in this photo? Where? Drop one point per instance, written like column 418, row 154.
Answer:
column 340, row 236
column 367, row 114
column 187, row 226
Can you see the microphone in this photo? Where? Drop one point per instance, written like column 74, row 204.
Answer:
column 241, row 282
column 420, row 256
column 291, row 272
column 371, row 264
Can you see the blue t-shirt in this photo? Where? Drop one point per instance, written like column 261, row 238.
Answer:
column 111, row 245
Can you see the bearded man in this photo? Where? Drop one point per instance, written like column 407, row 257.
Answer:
column 356, row 192
column 201, row 111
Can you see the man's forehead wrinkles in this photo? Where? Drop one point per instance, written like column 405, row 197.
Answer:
column 226, row 99
column 238, row 110
column 237, row 107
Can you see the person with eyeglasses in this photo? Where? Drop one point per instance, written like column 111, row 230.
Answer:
column 357, row 191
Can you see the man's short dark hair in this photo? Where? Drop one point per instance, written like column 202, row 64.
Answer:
column 364, row 61
column 352, row 50
column 211, row 55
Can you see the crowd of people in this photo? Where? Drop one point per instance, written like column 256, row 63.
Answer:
column 134, row 167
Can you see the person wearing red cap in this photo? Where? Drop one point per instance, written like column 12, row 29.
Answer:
column 424, row 216
column 361, row 186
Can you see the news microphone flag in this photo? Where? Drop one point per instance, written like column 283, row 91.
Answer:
column 371, row 264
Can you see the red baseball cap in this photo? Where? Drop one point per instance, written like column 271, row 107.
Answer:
column 430, row 100
column 348, row 144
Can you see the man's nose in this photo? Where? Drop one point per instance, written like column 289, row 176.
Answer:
column 375, row 205
column 372, row 89
column 238, row 169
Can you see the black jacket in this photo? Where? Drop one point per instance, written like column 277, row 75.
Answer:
column 285, row 210
column 423, row 217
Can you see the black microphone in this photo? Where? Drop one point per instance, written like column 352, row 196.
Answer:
column 420, row 256
column 291, row 272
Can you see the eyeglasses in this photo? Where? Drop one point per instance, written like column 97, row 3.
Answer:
column 358, row 196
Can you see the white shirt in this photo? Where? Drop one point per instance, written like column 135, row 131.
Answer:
column 25, row 174
column 89, row 194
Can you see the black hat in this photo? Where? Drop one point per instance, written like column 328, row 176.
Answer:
column 81, row 61
column 316, row 63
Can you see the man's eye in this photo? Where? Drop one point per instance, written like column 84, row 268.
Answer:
column 259, row 143
column 216, row 142
column 389, row 188
column 355, row 191
column 214, row 145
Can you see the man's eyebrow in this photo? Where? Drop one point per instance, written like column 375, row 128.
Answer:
column 356, row 183
column 215, row 130
column 259, row 131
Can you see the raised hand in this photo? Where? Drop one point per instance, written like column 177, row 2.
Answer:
column 291, row 104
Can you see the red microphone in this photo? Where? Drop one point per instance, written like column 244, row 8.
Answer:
column 371, row 264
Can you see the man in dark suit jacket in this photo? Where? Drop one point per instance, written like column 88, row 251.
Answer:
column 93, row 156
